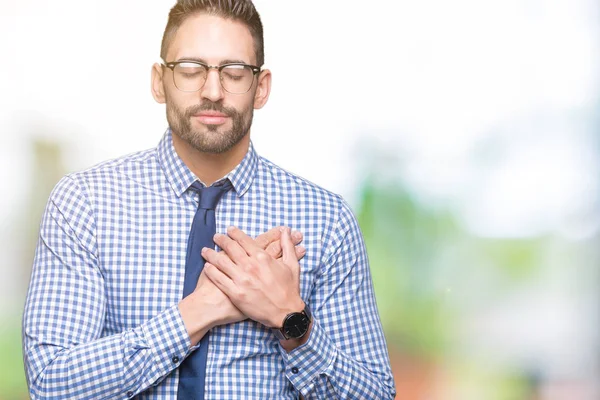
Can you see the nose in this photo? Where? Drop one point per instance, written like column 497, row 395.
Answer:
column 212, row 89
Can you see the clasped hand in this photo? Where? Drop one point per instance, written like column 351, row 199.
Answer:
column 258, row 284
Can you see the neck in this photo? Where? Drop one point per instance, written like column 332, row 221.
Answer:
column 210, row 167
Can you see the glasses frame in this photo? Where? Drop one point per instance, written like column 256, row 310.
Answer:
column 171, row 65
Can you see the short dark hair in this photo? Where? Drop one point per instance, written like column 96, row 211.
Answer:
column 237, row 10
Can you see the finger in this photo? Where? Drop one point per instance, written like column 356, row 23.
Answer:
column 221, row 281
column 300, row 252
column 235, row 252
column 220, row 261
column 264, row 240
column 274, row 249
column 289, row 250
column 244, row 240
column 297, row 237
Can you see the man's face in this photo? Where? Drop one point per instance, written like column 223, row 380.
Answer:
column 210, row 120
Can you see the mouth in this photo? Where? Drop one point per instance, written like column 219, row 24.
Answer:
column 211, row 117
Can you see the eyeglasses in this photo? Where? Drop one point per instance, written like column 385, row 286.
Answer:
column 190, row 76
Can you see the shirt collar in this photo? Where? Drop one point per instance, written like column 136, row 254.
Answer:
column 180, row 177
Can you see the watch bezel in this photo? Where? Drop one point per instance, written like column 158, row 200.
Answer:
column 305, row 317
column 295, row 325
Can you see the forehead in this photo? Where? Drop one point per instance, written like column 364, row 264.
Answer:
column 213, row 39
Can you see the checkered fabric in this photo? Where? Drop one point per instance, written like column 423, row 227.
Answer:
column 101, row 318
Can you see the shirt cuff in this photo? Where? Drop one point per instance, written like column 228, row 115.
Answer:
column 169, row 342
column 306, row 363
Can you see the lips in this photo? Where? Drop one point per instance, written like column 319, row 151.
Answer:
column 211, row 117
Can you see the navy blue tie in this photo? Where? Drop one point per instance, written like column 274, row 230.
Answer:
column 192, row 371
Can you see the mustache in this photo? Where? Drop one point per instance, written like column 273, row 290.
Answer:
column 210, row 106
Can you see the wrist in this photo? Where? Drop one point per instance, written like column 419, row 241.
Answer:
column 197, row 318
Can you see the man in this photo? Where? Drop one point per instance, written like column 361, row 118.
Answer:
column 105, row 317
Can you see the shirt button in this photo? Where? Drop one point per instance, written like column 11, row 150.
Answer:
column 294, row 370
column 175, row 359
column 130, row 394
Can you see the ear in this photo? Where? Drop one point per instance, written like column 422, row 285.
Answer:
column 263, row 90
column 158, row 87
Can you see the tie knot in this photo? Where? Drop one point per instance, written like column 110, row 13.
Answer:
column 209, row 196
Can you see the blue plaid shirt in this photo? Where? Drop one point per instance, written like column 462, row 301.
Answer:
column 101, row 318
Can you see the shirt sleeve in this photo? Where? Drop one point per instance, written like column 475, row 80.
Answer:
column 65, row 353
column 346, row 355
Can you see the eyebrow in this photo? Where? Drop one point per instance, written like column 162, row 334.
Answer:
column 203, row 61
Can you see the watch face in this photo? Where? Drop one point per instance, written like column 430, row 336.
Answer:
column 296, row 325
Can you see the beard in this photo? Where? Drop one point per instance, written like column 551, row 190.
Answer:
column 210, row 138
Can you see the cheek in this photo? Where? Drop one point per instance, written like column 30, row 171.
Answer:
column 246, row 105
column 179, row 102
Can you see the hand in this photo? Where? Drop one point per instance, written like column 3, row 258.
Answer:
column 208, row 306
column 270, row 241
column 264, row 289
column 224, row 310
column 205, row 308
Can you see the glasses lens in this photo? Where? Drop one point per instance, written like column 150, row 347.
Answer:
column 189, row 77
column 237, row 78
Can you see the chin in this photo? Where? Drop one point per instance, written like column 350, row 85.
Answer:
column 212, row 146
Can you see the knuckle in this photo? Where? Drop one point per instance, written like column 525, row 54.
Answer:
column 269, row 249
column 224, row 259
column 227, row 246
column 231, row 264
column 248, row 265
column 262, row 257
column 214, row 260
column 246, row 281
column 241, row 296
column 274, row 250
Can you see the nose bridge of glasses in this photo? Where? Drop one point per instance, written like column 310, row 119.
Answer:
column 209, row 84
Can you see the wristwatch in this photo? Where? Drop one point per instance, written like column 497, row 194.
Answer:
column 295, row 325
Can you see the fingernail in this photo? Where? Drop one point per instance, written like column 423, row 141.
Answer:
column 281, row 229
